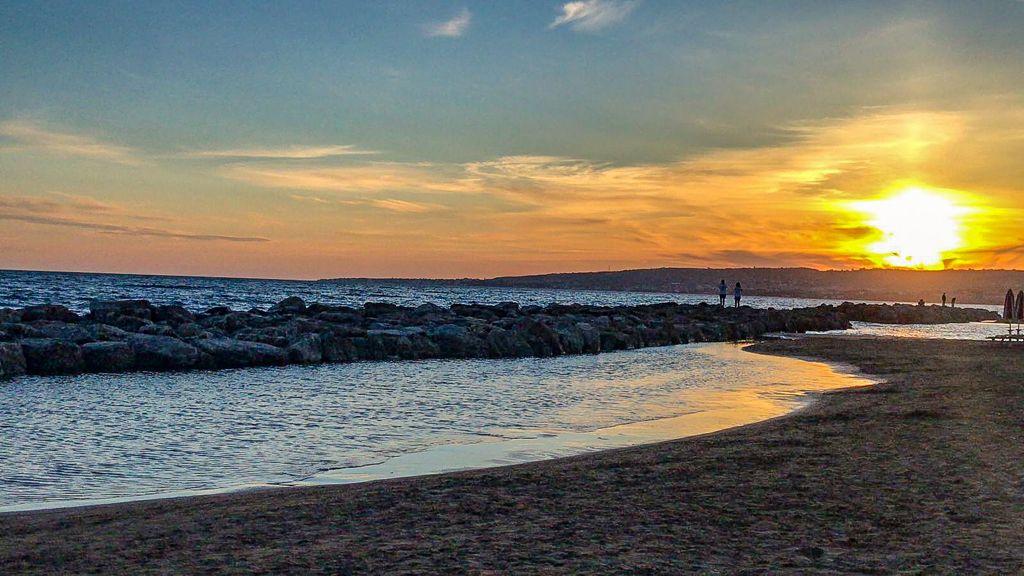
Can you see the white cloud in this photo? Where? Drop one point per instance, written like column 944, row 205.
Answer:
column 34, row 135
column 592, row 15
column 288, row 153
column 450, row 28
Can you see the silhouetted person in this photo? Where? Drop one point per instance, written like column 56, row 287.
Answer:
column 737, row 293
column 943, row 299
column 920, row 302
column 723, row 291
column 952, row 303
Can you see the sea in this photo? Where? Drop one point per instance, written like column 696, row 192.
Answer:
column 86, row 439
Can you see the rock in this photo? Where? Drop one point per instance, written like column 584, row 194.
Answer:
column 454, row 341
column 503, row 343
column 173, row 315
column 336, row 348
column 51, row 312
column 12, row 360
column 21, row 331
column 163, row 353
column 157, row 330
column 290, row 305
column 76, row 333
column 190, row 330
column 109, row 311
column 51, row 356
column 306, row 350
column 427, row 310
column 108, row 356
column 231, row 353
column 105, row 333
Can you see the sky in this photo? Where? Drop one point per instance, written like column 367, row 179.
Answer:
column 477, row 139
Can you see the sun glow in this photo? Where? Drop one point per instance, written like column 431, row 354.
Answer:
column 917, row 228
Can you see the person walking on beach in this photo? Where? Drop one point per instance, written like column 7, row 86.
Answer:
column 723, row 291
column 737, row 293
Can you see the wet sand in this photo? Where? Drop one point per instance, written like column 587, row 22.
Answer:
column 924, row 473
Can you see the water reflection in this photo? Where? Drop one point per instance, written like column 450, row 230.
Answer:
column 110, row 436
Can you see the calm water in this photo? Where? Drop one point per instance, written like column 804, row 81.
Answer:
column 109, row 436
column 964, row 331
column 18, row 289
column 124, row 436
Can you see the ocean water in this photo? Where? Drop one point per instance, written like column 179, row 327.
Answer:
column 87, row 438
column 74, row 290
column 97, row 437
column 960, row 331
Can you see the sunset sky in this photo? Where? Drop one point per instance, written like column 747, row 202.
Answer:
column 452, row 139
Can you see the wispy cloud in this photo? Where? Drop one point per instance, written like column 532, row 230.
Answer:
column 453, row 28
column 390, row 204
column 593, row 15
column 49, row 212
column 31, row 134
column 286, row 153
column 362, row 178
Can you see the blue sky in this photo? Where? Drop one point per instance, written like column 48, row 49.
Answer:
column 612, row 83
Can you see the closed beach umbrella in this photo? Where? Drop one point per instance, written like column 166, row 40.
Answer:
column 1019, row 308
column 1008, row 305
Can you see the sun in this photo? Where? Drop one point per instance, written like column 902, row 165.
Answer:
column 916, row 228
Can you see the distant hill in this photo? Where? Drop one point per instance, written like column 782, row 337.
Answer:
column 968, row 286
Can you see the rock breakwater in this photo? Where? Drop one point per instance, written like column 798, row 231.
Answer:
column 130, row 335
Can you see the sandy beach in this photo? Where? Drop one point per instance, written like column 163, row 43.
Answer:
column 921, row 474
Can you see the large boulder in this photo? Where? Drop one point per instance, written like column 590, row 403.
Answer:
column 77, row 333
column 108, row 356
column 163, row 353
column 306, row 349
column 51, row 312
column 105, row 332
column 51, row 356
column 12, row 360
column 112, row 311
column 231, row 353
column 173, row 314
column 290, row 305
column 337, row 348
column 454, row 341
column 502, row 343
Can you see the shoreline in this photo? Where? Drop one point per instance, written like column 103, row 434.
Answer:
column 542, row 445
column 921, row 473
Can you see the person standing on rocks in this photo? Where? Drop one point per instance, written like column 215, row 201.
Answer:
column 723, row 291
column 737, row 293
column 943, row 299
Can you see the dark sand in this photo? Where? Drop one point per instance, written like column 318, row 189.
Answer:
column 924, row 474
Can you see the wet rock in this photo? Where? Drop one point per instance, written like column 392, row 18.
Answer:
column 51, row 312
column 502, row 343
column 163, row 353
column 454, row 341
column 337, row 348
column 307, row 349
column 190, row 330
column 110, row 311
column 290, row 305
column 108, row 356
column 76, row 333
column 230, row 353
column 157, row 330
column 105, row 332
column 51, row 356
column 12, row 360
column 173, row 315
